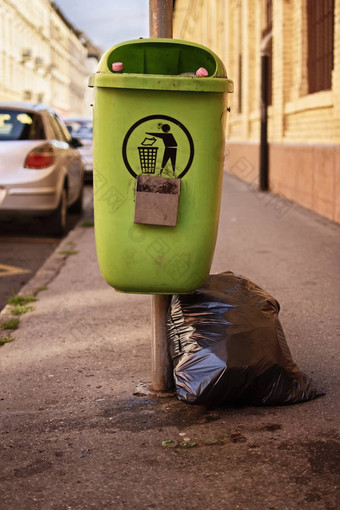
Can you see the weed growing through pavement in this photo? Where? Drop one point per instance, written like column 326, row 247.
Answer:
column 232, row 437
column 40, row 289
column 20, row 300
column 6, row 339
column 21, row 309
column 87, row 224
column 68, row 252
column 11, row 324
column 171, row 443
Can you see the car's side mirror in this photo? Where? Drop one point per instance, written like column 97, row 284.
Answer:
column 75, row 143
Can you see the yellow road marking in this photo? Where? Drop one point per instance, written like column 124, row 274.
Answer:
column 12, row 270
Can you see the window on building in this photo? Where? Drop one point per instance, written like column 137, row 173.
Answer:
column 320, row 16
column 27, row 95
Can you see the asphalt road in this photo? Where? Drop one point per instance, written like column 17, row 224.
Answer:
column 24, row 247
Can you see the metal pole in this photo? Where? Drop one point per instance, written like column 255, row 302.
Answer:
column 160, row 18
column 264, row 160
column 264, row 125
column 161, row 366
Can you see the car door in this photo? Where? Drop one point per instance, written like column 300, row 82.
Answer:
column 72, row 161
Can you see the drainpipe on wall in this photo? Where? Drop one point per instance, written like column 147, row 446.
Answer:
column 264, row 160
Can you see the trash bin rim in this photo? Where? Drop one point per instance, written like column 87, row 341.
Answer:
column 161, row 82
column 103, row 67
column 104, row 77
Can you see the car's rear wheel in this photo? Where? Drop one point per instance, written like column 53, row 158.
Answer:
column 77, row 206
column 56, row 222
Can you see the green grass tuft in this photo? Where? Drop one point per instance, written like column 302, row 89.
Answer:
column 68, row 252
column 87, row 224
column 20, row 300
column 11, row 324
column 40, row 289
column 5, row 340
column 21, row 309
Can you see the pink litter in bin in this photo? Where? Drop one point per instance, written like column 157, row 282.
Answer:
column 202, row 72
column 117, row 66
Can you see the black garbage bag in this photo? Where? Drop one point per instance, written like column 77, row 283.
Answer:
column 228, row 346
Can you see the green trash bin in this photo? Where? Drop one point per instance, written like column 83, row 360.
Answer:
column 158, row 164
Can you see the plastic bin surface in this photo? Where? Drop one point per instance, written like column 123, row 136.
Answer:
column 153, row 119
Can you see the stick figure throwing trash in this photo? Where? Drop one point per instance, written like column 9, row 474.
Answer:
column 170, row 151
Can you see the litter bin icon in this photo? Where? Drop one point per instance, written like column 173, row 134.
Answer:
column 148, row 157
column 159, row 133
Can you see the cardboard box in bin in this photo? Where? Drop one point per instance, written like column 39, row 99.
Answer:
column 157, row 200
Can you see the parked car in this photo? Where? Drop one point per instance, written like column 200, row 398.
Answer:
column 82, row 128
column 41, row 170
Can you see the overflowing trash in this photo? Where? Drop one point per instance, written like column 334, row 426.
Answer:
column 228, row 347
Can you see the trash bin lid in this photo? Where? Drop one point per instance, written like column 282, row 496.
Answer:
column 161, row 64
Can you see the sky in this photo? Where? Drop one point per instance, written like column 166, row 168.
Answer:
column 108, row 22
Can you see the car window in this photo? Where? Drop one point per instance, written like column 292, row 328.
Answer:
column 60, row 131
column 21, row 125
column 80, row 128
column 63, row 129
column 59, row 127
column 55, row 128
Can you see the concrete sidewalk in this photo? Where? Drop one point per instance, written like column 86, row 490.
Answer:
column 75, row 436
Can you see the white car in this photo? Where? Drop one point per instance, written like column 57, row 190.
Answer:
column 41, row 170
column 82, row 128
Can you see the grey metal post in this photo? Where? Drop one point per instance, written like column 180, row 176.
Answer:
column 264, row 160
column 263, row 180
column 160, row 17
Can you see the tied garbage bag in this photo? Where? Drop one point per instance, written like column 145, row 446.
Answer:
column 228, row 346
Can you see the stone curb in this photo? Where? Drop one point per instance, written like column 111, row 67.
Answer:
column 49, row 270
column 52, row 265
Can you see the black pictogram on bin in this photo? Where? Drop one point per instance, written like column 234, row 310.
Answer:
column 148, row 158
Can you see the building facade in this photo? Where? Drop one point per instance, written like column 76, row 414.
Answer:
column 301, row 39
column 42, row 57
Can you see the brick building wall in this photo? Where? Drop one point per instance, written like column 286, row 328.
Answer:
column 303, row 127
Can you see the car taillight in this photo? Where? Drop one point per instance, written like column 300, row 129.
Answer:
column 40, row 157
